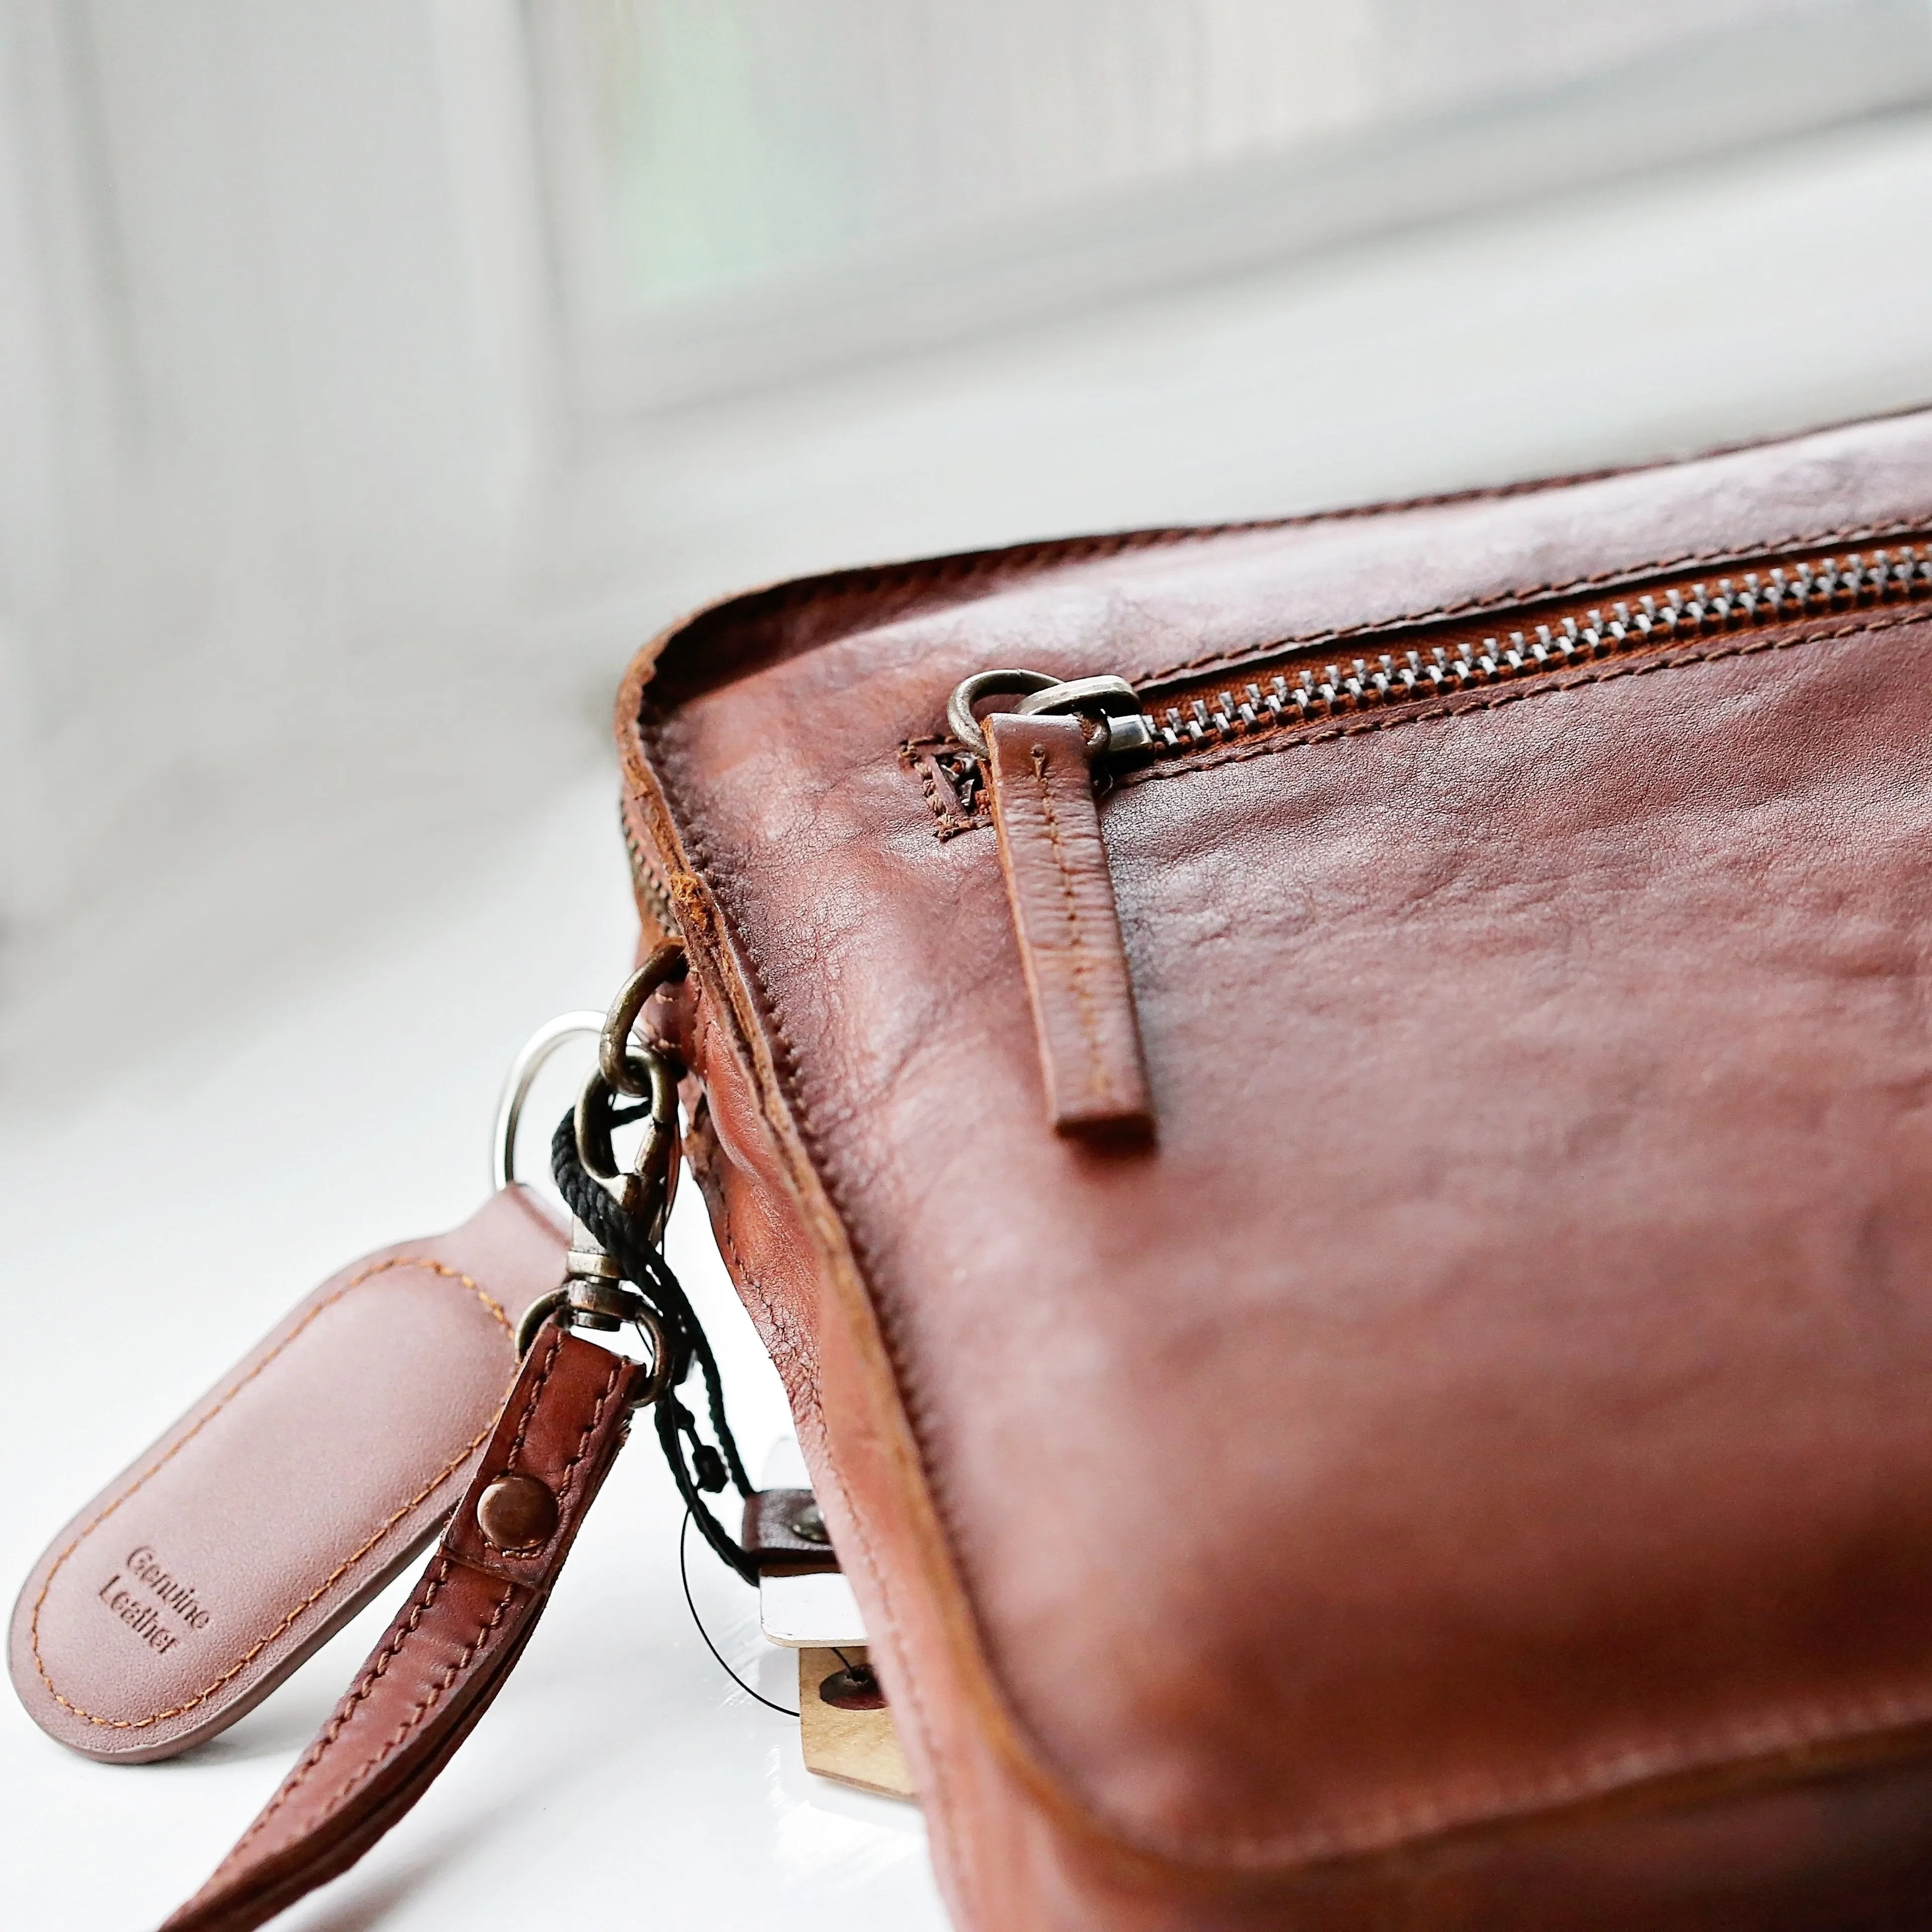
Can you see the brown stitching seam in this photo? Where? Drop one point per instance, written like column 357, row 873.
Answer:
column 618, row 1370
column 785, row 1330
column 785, row 1062
column 421, row 1710
column 318, row 1751
column 1518, row 695
column 530, row 1405
column 1524, row 593
column 919, row 758
column 380, row 1666
column 376, row 1669
column 347, row 1564
column 1291, row 740
column 740, row 1273
column 1089, row 1028
column 923, row 769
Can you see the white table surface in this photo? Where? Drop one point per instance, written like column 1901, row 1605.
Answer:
column 217, row 1186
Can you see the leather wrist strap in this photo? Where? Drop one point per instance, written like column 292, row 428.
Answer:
column 451, row 1645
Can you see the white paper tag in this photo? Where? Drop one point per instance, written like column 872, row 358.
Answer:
column 813, row 1612
column 810, row 1612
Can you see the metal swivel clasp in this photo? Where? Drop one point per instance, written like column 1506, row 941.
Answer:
column 594, row 1291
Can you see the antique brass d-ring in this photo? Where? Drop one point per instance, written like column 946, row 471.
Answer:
column 662, row 1365
column 646, row 1189
column 535, row 1316
column 615, row 1058
column 961, row 720
column 647, row 1324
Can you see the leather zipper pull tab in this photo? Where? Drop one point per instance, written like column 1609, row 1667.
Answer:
column 1054, row 858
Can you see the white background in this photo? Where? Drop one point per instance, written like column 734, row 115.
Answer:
column 312, row 600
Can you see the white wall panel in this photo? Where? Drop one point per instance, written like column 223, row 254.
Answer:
column 373, row 375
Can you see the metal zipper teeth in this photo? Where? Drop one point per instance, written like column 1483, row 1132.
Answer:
column 1654, row 621
column 652, row 896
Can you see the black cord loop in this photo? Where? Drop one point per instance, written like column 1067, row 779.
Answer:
column 697, row 1466
column 684, row 1577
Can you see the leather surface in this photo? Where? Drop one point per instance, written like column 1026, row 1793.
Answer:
column 1065, row 925
column 447, row 1651
column 264, row 1518
column 769, row 1540
column 1479, row 1446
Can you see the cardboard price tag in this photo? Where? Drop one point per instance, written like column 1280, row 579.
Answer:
column 847, row 1731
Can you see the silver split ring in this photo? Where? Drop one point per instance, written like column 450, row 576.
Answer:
column 523, row 1071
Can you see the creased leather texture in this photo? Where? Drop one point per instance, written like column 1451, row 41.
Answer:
column 277, row 1506
column 1055, row 860
column 769, row 1540
column 1472, row 1471
column 445, row 1656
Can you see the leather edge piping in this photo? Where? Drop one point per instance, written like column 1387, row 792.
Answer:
column 962, row 567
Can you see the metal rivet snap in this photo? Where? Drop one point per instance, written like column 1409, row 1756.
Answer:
column 808, row 1524
column 517, row 1513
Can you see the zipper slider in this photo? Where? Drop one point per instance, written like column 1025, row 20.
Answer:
column 1041, row 756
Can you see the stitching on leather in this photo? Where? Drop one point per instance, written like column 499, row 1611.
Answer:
column 1519, row 694
column 923, row 769
column 618, row 1370
column 421, row 1710
column 740, row 1272
column 530, row 1405
column 427, row 1592
column 951, row 823
column 321, row 1589
column 1090, row 1029
column 1279, row 742
column 318, row 1751
column 921, row 757
column 786, row 1335
column 1524, row 593
column 786, row 1062
column 379, row 1666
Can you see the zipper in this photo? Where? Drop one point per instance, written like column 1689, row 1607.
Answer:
column 1450, row 660
column 654, row 905
column 1035, row 759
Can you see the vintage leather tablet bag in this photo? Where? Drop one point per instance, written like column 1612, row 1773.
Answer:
column 1330, row 1124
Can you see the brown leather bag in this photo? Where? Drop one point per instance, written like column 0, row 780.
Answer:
column 1468, row 1466
column 1347, row 1217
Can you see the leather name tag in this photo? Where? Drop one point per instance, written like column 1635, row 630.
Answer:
column 270, row 1512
